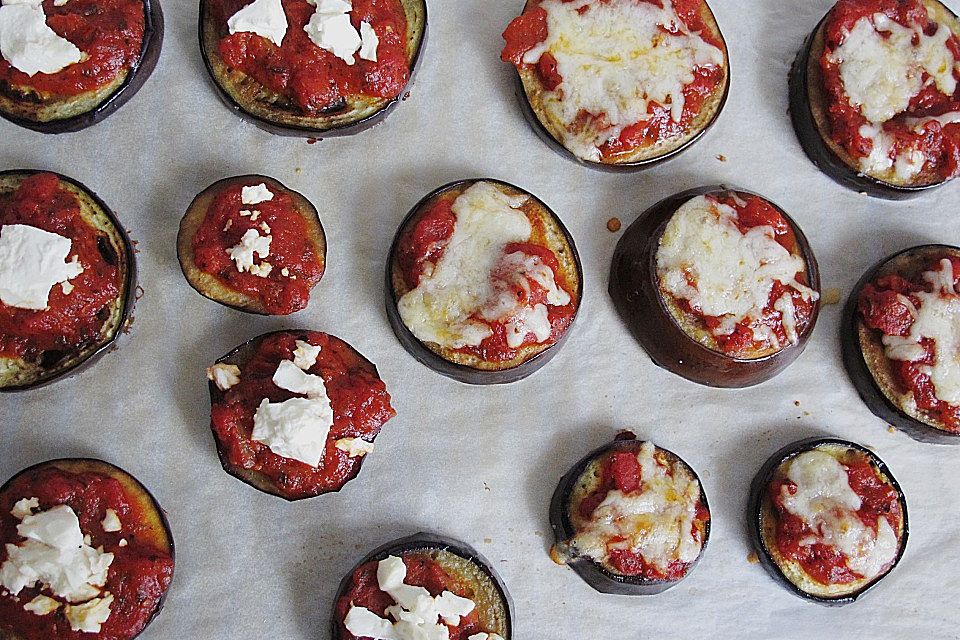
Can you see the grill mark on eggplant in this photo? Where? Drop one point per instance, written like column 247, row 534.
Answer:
column 107, row 252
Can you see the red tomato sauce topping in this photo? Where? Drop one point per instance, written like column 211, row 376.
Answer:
column 140, row 572
column 290, row 249
column 881, row 308
column 71, row 321
column 824, row 563
column 422, row 571
column 359, row 399
column 313, row 79
column 108, row 32
column 940, row 144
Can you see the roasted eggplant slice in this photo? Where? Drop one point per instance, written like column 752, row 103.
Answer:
column 84, row 313
column 289, row 432
column 648, row 127
column 853, row 139
column 50, row 103
column 496, row 306
column 293, row 100
column 127, row 547
column 217, row 255
column 437, row 564
column 890, row 331
column 828, row 519
column 671, row 284
column 601, row 538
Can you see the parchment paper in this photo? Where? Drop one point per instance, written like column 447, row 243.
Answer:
column 478, row 464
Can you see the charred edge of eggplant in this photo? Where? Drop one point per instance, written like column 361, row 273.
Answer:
column 345, row 129
column 185, row 244
column 758, row 488
column 429, row 358
column 95, row 465
column 867, row 386
column 636, row 296
column 137, row 76
column 591, row 571
column 817, row 149
column 105, row 344
column 428, row 542
column 240, row 356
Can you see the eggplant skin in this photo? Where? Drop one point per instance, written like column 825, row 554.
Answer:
column 758, row 505
column 159, row 530
column 16, row 108
column 866, row 363
column 18, row 375
column 258, row 105
column 591, row 571
column 477, row 571
column 636, row 296
column 443, row 360
column 208, row 285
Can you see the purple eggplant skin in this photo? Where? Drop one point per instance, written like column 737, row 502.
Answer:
column 759, row 486
column 139, row 73
column 112, row 342
column 426, row 542
column 590, row 571
column 462, row 373
column 866, row 385
column 636, row 296
column 296, row 131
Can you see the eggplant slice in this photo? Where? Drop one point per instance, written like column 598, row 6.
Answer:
column 17, row 374
column 761, row 517
column 209, row 286
column 530, row 94
column 463, row 367
column 54, row 114
column 275, row 114
column 636, row 295
column 577, row 482
column 157, row 530
column 808, row 112
column 459, row 560
column 868, row 366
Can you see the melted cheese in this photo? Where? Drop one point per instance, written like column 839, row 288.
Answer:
column 615, row 58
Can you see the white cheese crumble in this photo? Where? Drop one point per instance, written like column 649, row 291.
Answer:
column 32, row 262
column 330, row 29
column 485, row 636
column 224, row 376
column 29, row 44
column 355, row 447
column 369, row 42
column 24, row 507
column 265, row 18
column 90, row 615
column 255, row 194
column 305, row 355
column 251, row 243
column 111, row 522
column 42, row 605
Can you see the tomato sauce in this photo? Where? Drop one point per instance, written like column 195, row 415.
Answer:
column 940, row 144
column 72, row 320
column 422, row 571
column 359, row 399
column 140, row 572
column 108, row 32
column 881, row 309
column 313, row 79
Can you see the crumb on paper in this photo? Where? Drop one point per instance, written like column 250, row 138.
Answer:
column 311, row 140
column 297, row 170
column 796, row 403
column 487, row 540
column 806, row 413
column 752, row 558
column 613, row 225
column 831, row 295
column 891, row 428
column 486, row 487
column 721, row 157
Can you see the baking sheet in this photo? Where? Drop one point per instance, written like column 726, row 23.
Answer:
column 478, row 464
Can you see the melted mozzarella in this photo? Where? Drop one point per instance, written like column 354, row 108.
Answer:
column 615, row 58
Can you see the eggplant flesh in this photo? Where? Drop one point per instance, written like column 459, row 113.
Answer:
column 867, row 364
column 445, row 361
column 17, row 374
column 635, row 290
column 599, row 577
column 74, row 113
column 762, row 521
column 275, row 114
column 461, row 561
column 208, row 285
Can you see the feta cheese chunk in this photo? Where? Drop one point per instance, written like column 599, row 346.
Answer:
column 23, row 508
column 89, row 616
column 255, row 194
column 305, row 355
column 32, row 261
column 251, row 243
column 355, row 447
column 111, row 522
column 42, row 605
column 267, row 19
column 223, row 375
column 29, row 44
column 369, row 42
column 333, row 32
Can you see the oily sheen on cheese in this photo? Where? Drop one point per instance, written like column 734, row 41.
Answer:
column 615, row 58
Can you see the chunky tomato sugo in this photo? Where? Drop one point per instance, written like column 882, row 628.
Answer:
column 359, row 399
column 72, row 320
column 296, row 268
column 108, row 32
column 138, row 576
column 312, row 78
